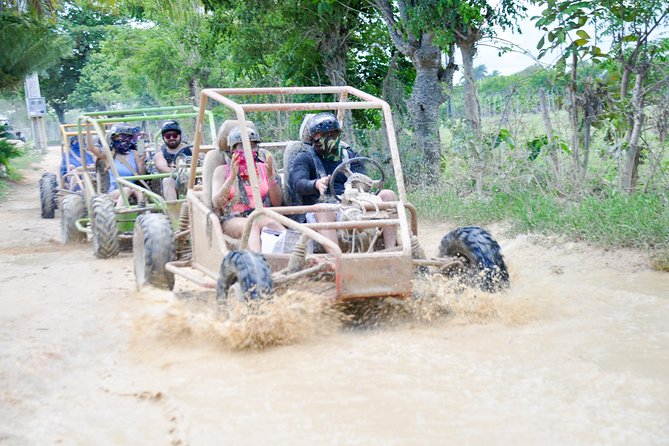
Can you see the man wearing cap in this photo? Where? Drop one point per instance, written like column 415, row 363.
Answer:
column 165, row 158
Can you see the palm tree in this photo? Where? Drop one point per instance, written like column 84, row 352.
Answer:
column 29, row 45
column 480, row 71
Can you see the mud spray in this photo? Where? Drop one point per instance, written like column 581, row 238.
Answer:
column 296, row 316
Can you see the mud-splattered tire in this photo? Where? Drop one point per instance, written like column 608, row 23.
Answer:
column 48, row 185
column 482, row 257
column 153, row 247
column 73, row 209
column 102, row 176
column 103, row 226
column 245, row 275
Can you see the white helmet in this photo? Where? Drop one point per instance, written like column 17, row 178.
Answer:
column 235, row 136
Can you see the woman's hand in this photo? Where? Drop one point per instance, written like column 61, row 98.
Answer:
column 234, row 165
column 271, row 173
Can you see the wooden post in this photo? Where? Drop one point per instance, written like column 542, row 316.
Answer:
column 36, row 106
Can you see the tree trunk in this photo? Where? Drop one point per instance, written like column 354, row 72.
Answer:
column 60, row 111
column 472, row 105
column 426, row 98
column 195, row 90
column 574, row 117
column 428, row 88
column 592, row 105
column 552, row 152
column 630, row 170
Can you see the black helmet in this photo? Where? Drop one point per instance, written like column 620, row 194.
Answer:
column 170, row 126
column 323, row 122
column 122, row 129
column 235, row 136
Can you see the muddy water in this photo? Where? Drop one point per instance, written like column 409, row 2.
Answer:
column 576, row 352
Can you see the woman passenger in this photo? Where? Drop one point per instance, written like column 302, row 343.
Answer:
column 232, row 194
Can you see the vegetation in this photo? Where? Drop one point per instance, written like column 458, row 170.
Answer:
column 578, row 146
column 28, row 45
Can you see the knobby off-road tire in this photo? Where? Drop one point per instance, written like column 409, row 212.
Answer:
column 481, row 254
column 73, row 208
column 153, row 247
column 244, row 276
column 103, row 225
column 48, row 185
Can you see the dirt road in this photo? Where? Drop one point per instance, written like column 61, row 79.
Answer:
column 577, row 352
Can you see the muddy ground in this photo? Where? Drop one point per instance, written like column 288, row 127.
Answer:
column 576, row 352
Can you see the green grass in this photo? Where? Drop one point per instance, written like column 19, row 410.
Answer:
column 615, row 221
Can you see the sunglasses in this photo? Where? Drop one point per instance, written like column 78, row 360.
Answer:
column 171, row 135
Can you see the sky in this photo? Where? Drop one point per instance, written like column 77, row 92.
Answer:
column 512, row 62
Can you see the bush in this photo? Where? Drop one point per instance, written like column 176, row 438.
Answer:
column 7, row 152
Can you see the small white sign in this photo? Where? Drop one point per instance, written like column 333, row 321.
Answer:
column 36, row 107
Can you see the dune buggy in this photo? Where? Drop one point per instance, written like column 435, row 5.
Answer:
column 55, row 187
column 359, row 266
column 93, row 211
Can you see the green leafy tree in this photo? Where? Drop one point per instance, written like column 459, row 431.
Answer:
column 175, row 55
column 427, row 32
column 28, row 45
column 87, row 27
column 34, row 8
column 301, row 42
column 631, row 27
column 100, row 85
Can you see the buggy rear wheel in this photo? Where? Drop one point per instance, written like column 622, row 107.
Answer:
column 73, row 209
column 244, row 276
column 153, row 247
column 481, row 255
column 104, row 228
column 48, row 186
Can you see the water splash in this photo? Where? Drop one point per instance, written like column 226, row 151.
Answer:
column 296, row 316
column 288, row 318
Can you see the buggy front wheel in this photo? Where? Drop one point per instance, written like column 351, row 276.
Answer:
column 153, row 247
column 245, row 276
column 480, row 254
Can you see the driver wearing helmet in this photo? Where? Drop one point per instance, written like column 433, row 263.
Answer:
column 165, row 158
column 74, row 157
column 71, row 159
column 311, row 171
column 232, row 193
column 123, row 144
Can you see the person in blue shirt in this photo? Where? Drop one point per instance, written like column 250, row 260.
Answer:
column 71, row 160
column 310, row 172
column 123, row 143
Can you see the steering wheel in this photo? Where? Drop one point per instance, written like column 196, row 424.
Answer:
column 375, row 185
column 181, row 158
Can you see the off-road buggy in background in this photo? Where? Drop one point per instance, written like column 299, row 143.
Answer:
column 358, row 267
column 54, row 187
column 93, row 211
